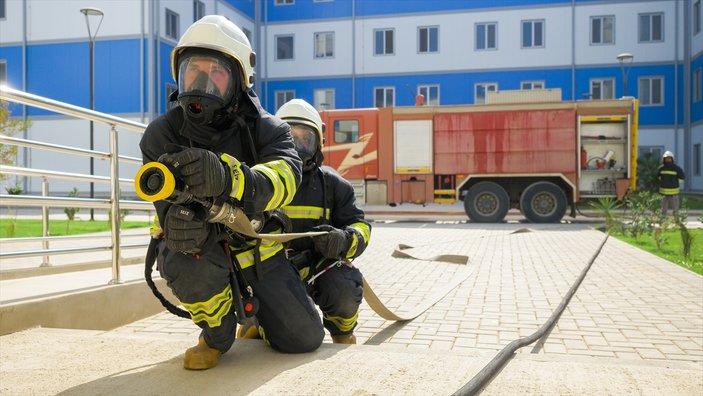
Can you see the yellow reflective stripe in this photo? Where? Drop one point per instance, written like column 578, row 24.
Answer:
column 266, row 251
column 235, row 172
column 363, row 229
column 352, row 249
column 305, row 212
column 277, row 196
column 668, row 191
column 213, row 310
column 343, row 324
column 286, row 174
column 668, row 172
column 303, row 273
column 155, row 230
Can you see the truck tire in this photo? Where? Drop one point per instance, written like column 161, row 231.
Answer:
column 543, row 202
column 486, row 202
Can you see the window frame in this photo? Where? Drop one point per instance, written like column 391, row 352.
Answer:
column 385, row 42
column 650, row 16
column 590, row 29
column 532, row 84
column 428, row 99
column 284, row 3
column 697, row 85
column 198, row 10
column 174, row 25
column 697, row 159
column 385, row 89
column 657, row 151
column 353, row 136
column 485, row 85
column 696, row 17
column 3, row 10
column 317, row 105
column 314, row 45
column 292, row 47
column 601, row 80
column 640, row 95
column 285, row 93
column 429, row 36
column 532, row 32
column 495, row 34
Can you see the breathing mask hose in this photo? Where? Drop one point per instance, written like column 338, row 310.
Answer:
column 148, row 268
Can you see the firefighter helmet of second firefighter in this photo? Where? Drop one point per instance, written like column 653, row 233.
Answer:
column 298, row 111
column 668, row 154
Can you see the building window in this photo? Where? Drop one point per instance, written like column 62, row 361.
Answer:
column 697, row 17
column 172, row 23
column 346, row 131
column 697, row 85
column 282, row 97
column 324, row 45
column 603, row 88
column 532, row 34
column 198, row 10
column 655, row 151
column 651, row 27
column 431, row 94
column 383, row 41
column 3, row 71
column 428, row 39
column 651, row 91
column 3, row 13
column 324, row 99
column 486, row 36
column 170, row 89
column 602, row 29
column 284, row 47
column 481, row 90
column 532, row 85
column 697, row 159
column 384, row 97
column 284, row 2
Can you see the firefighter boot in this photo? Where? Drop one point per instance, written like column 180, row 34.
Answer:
column 201, row 356
column 344, row 339
column 250, row 329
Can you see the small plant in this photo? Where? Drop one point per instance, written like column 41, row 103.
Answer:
column 686, row 239
column 71, row 212
column 647, row 178
column 659, row 232
column 607, row 205
column 12, row 224
column 644, row 213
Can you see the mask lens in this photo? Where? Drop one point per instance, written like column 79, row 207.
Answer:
column 305, row 139
column 205, row 75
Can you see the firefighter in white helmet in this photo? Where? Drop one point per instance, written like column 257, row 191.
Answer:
column 224, row 146
column 670, row 175
column 325, row 202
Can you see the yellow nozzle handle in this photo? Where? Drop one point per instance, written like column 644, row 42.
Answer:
column 147, row 193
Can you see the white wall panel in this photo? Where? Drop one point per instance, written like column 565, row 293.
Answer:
column 304, row 63
column 626, row 33
column 11, row 26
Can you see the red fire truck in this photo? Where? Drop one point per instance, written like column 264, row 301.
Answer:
column 539, row 157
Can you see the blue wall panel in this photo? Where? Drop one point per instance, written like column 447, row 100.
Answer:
column 62, row 72
column 244, row 6
column 696, row 107
column 304, row 89
column 307, row 9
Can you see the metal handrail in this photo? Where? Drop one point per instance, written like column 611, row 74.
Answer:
column 45, row 201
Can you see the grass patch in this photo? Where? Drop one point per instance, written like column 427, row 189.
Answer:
column 33, row 228
column 693, row 201
column 672, row 248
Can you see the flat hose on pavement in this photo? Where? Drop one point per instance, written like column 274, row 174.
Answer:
column 484, row 376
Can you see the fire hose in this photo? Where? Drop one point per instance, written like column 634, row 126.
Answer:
column 155, row 181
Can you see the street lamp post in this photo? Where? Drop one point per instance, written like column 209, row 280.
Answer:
column 625, row 60
column 95, row 12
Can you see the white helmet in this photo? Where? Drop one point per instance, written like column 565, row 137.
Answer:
column 218, row 33
column 298, row 111
column 668, row 154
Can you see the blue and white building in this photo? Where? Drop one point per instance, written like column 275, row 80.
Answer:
column 366, row 53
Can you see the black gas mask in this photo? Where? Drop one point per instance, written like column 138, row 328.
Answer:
column 208, row 84
column 307, row 145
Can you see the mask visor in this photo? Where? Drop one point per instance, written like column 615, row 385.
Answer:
column 205, row 75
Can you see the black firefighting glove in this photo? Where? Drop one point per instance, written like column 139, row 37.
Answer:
column 186, row 229
column 201, row 170
column 334, row 244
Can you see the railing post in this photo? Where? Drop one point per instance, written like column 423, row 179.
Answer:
column 115, row 201
column 45, row 222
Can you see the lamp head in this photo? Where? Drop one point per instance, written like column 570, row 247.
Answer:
column 625, row 56
column 92, row 11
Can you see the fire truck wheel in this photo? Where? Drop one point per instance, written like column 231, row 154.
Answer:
column 486, row 202
column 543, row 202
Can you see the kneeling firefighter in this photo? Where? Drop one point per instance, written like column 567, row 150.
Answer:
column 225, row 147
column 325, row 202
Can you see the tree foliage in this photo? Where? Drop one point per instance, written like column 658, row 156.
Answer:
column 647, row 179
column 9, row 127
